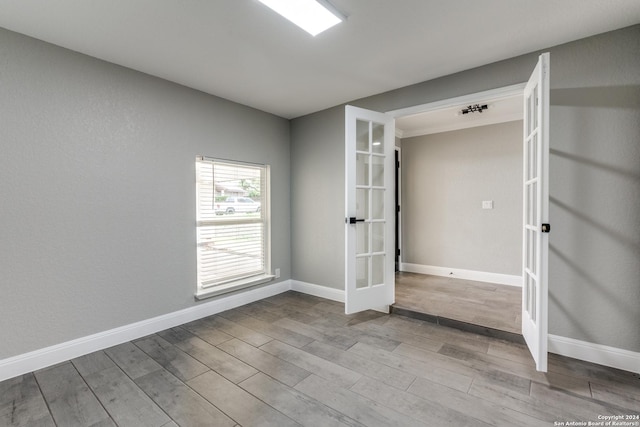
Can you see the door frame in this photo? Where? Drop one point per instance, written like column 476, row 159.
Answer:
column 502, row 92
column 473, row 98
column 398, row 185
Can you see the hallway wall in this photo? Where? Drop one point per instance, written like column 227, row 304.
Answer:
column 445, row 178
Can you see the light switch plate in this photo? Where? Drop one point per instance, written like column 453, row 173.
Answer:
column 487, row 204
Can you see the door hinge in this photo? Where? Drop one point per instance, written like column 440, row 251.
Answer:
column 398, row 208
column 398, row 252
column 546, row 228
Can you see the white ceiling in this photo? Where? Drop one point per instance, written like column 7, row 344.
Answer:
column 243, row 51
column 500, row 110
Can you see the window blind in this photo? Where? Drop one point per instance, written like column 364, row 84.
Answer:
column 232, row 222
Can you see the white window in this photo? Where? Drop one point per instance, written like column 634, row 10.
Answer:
column 233, row 226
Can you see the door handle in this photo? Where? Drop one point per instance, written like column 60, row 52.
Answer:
column 353, row 220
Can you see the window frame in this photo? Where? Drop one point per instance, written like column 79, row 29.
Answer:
column 233, row 284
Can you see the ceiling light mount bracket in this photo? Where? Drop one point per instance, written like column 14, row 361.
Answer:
column 476, row 108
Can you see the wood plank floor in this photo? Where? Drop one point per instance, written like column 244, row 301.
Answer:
column 295, row 359
column 485, row 304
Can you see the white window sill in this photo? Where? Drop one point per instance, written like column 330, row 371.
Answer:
column 233, row 286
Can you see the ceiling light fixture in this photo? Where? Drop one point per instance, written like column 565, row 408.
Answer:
column 313, row 16
column 474, row 108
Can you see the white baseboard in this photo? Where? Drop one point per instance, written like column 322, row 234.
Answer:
column 480, row 276
column 317, row 290
column 596, row 353
column 38, row 359
column 42, row 358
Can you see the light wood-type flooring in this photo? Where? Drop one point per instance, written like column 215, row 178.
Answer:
column 478, row 303
column 294, row 359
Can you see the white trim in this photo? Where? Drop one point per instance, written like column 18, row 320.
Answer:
column 207, row 285
column 317, row 290
column 233, row 286
column 38, row 359
column 492, row 94
column 480, row 276
column 595, row 353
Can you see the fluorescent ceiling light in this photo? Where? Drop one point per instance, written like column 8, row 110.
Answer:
column 310, row 15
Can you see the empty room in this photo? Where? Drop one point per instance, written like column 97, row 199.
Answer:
column 461, row 214
column 198, row 213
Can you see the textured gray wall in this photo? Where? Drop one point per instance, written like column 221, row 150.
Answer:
column 594, row 273
column 97, row 191
column 317, row 189
column 445, row 178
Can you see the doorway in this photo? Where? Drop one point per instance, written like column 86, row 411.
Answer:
column 364, row 152
column 460, row 213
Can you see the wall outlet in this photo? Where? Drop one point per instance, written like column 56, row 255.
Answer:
column 277, row 273
column 487, row 204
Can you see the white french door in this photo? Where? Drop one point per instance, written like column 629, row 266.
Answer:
column 536, row 213
column 370, row 210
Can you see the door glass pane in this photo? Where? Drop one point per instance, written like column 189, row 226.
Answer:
column 377, row 171
column 530, row 296
column 530, row 196
column 527, row 259
column 530, row 114
column 377, row 270
column 527, row 114
column 529, row 149
column 362, row 135
column 362, row 272
column 377, row 204
column 377, row 138
column 377, row 237
column 534, row 204
column 527, row 200
column 534, row 108
column 362, row 169
column 362, row 238
column 531, row 248
column 532, row 260
column 525, row 291
column 362, row 203
column 534, row 286
column 533, row 160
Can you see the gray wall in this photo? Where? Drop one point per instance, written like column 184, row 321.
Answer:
column 445, row 178
column 97, row 191
column 317, row 190
column 594, row 271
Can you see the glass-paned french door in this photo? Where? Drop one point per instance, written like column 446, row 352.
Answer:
column 369, row 268
column 536, row 211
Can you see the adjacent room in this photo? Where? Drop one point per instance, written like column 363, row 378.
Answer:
column 461, row 214
column 198, row 214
